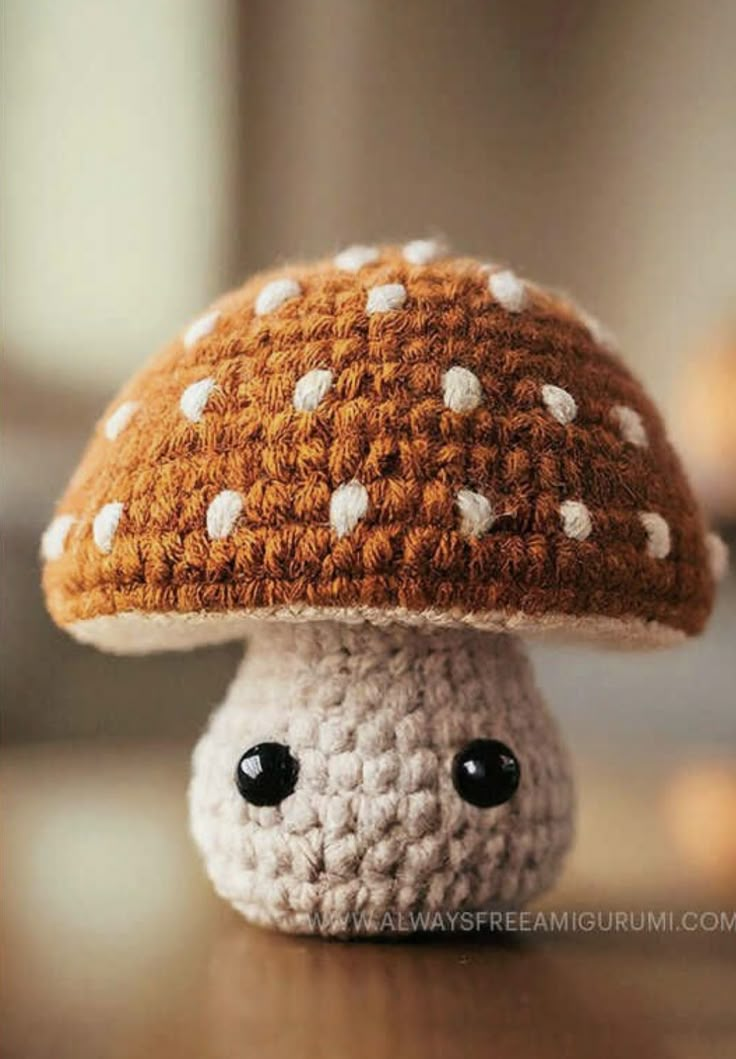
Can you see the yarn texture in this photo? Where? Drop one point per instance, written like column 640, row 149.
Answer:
column 389, row 432
column 379, row 467
column 374, row 831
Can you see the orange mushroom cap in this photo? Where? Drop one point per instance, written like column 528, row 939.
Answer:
column 392, row 435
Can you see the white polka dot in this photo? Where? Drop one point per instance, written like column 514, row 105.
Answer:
column 223, row 513
column 560, row 404
column 576, row 520
column 105, row 525
column 461, row 389
column 658, row 534
column 385, row 298
column 717, row 555
column 118, row 421
column 421, row 251
column 508, row 290
column 311, row 388
column 597, row 331
column 354, row 258
column 201, row 327
column 275, row 294
column 630, row 424
column 476, row 513
column 54, row 538
column 348, row 505
column 193, row 400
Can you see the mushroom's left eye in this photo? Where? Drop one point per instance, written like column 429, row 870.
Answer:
column 266, row 774
column 485, row 773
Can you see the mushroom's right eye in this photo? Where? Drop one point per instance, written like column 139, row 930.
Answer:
column 266, row 774
column 486, row 773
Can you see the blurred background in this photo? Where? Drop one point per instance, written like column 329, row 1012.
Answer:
column 156, row 152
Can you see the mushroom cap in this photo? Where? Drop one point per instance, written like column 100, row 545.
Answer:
column 392, row 435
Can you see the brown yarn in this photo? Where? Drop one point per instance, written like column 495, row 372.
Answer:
column 384, row 424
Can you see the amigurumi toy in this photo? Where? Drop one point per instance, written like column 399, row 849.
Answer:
column 380, row 469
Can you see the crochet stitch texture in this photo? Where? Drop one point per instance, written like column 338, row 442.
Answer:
column 386, row 439
column 375, row 832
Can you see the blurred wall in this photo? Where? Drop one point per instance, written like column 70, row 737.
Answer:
column 117, row 177
column 157, row 150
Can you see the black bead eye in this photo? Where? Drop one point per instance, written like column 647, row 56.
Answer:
column 485, row 773
column 266, row 774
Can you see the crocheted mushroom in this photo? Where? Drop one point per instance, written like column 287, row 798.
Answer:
column 380, row 468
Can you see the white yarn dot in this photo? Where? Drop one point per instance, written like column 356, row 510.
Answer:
column 659, row 539
column 200, row 327
column 275, row 294
column 105, row 525
column 353, row 258
column 223, row 513
column 476, row 513
column 193, row 400
column 576, row 521
column 461, row 389
column 630, row 424
column 560, row 404
column 717, row 550
column 311, row 388
column 421, row 251
column 597, row 330
column 508, row 290
column 118, row 421
column 54, row 537
column 385, row 298
column 348, row 505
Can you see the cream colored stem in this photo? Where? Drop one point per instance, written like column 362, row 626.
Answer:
column 373, row 718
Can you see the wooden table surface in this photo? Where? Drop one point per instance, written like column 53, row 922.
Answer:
column 114, row 947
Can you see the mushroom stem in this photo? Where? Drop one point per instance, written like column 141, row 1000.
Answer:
column 389, row 770
column 332, row 665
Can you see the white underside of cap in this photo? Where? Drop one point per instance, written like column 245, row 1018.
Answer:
column 138, row 632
